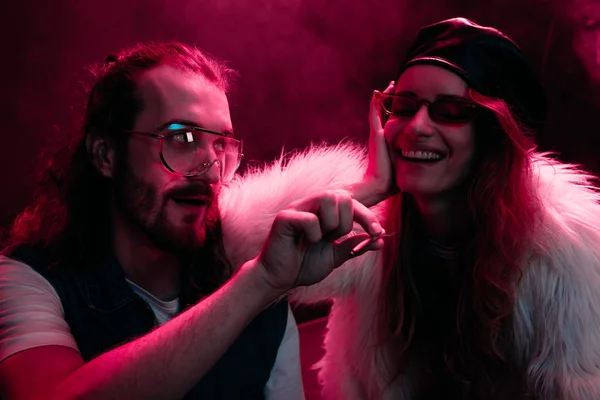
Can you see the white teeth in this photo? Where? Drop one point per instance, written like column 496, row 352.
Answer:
column 422, row 155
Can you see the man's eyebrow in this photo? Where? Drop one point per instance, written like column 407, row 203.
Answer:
column 227, row 132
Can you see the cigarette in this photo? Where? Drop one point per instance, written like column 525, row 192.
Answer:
column 362, row 245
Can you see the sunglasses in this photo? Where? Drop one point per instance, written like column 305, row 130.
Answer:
column 444, row 110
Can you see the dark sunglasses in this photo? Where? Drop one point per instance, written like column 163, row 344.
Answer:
column 444, row 110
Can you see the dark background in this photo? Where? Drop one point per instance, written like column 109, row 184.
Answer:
column 307, row 68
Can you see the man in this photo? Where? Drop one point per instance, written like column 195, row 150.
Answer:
column 115, row 283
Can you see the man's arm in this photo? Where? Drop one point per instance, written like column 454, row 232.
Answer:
column 163, row 364
column 167, row 362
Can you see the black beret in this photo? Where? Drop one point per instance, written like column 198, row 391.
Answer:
column 488, row 60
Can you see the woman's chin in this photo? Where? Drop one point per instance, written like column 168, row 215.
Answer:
column 419, row 189
column 413, row 187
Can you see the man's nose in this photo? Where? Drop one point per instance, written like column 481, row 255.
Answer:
column 206, row 157
column 210, row 171
column 213, row 174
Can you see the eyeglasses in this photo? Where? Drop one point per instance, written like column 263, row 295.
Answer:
column 444, row 110
column 186, row 150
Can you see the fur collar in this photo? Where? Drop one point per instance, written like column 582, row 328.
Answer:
column 557, row 315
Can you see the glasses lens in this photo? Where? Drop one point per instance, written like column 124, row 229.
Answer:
column 451, row 111
column 190, row 151
column 403, row 106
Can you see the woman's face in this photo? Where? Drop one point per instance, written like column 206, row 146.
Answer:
column 429, row 158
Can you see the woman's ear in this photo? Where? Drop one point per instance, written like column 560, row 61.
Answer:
column 102, row 154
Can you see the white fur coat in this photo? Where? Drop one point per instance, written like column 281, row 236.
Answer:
column 557, row 314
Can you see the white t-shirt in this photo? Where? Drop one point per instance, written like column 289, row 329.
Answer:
column 31, row 315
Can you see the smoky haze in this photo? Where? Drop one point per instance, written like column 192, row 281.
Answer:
column 306, row 68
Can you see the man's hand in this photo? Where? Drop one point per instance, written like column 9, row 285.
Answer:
column 303, row 247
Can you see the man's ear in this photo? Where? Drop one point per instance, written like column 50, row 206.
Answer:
column 102, row 154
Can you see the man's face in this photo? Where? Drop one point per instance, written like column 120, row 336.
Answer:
column 173, row 211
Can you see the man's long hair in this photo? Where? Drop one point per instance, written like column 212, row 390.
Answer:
column 503, row 205
column 69, row 216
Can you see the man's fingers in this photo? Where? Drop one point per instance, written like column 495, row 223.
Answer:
column 354, row 246
column 328, row 217
column 314, row 203
column 345, row 220
column 328, row 213
column 367, row 219
column 298, row 224
column 334, row 210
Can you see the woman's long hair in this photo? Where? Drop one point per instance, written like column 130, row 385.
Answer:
column 503, row 204
column 69, row 217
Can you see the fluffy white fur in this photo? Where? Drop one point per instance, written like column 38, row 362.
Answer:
column 557, row 314
column 249, row 203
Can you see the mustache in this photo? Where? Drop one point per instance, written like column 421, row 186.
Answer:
column 192, row 189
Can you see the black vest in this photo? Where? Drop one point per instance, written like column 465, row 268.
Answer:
column 103, row 312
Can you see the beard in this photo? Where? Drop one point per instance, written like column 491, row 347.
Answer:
column 140, row 204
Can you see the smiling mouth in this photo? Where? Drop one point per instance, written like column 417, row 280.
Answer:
column 421, row 156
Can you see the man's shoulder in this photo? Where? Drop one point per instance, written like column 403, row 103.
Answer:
column 30, row 268
column 34, row 258
column 14, row 269
column 31, row 313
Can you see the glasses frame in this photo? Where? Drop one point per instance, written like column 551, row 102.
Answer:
column 380, row 96
column 204, row 166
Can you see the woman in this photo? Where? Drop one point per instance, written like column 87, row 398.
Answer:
column 488, row 286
